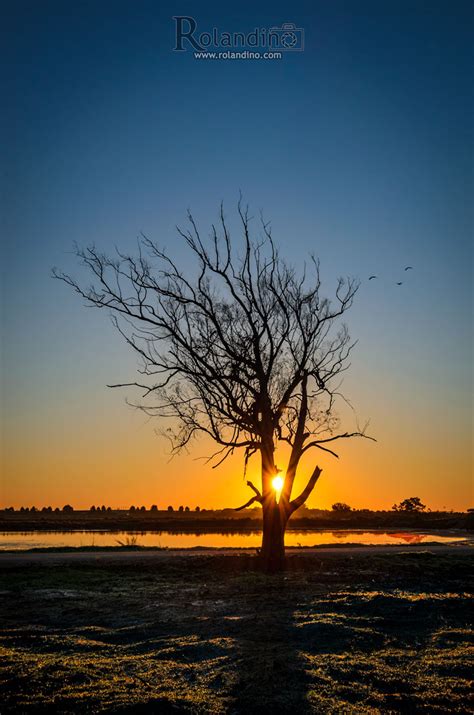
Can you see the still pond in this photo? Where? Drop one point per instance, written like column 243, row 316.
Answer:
column 19, row 541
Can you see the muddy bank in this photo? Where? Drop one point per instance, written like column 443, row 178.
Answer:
column 296, row 557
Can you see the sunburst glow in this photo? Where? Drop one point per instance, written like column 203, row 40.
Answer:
column 277, row 483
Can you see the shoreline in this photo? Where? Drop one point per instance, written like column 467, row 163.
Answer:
column 218, row 523
column 100, row 555
column 257, row 529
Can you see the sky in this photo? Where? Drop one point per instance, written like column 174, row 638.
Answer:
column 358, row 148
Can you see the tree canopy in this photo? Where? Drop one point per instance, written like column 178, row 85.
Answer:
column 245, row 351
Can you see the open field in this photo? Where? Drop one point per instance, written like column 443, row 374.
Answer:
column 352, row 631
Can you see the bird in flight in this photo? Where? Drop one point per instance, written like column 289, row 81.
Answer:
column 372, row 277
column 399, row 284
column 409, row 268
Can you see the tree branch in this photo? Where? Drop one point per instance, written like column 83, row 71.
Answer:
column 257, row 498
column 247, row 504
column 254, row 488
column 300, row 500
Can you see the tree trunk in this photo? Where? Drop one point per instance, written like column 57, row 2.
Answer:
column 272, row 553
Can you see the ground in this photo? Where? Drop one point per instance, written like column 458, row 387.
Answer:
column 348, row 631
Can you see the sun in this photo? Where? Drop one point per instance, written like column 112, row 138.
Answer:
column 277, row 483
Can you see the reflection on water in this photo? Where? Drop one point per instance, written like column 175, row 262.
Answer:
column 251, row 539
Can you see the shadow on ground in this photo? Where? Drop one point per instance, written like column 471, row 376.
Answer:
column 271, row 672
column 339, row 633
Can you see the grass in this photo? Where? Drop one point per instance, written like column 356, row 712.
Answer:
column 131, row 542
column 340, row 633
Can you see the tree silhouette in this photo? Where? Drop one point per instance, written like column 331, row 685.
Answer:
column 413, row 504
column 247, row 351
column 341, row 507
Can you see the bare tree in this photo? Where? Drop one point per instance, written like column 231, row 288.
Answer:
column 247, row 351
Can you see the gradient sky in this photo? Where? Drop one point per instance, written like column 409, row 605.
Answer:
column 358, row 148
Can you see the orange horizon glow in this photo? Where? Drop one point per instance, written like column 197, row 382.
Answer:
column 133, row 469
column 106, row 453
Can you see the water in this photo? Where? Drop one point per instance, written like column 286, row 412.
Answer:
column 19, row 541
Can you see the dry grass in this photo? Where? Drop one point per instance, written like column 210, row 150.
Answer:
column 336, row 634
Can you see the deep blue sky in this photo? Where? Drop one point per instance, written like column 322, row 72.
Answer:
column 358, row 148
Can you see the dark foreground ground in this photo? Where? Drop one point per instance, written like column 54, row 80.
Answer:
column 341, row 632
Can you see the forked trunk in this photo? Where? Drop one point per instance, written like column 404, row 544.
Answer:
column 276, row 513
column 272, row 553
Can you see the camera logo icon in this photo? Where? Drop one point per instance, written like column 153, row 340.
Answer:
column 286, row 37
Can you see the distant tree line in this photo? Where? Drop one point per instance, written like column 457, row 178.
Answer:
column 33, row 509
column 102, row 508
column 411, row 504
column 169, row 508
